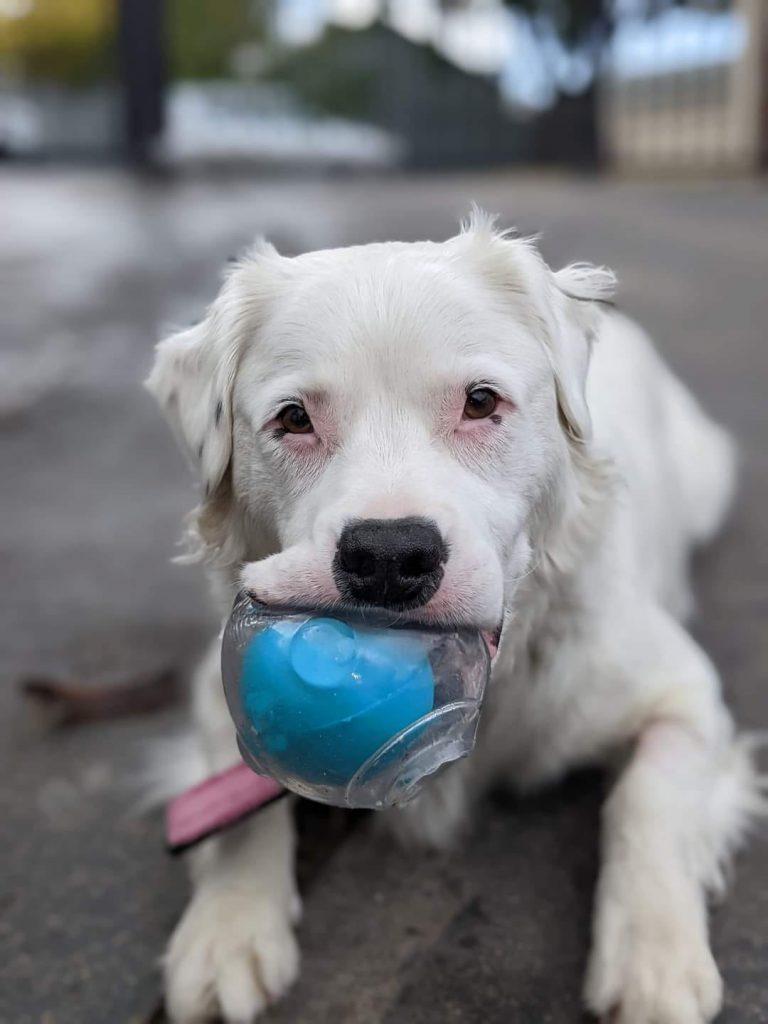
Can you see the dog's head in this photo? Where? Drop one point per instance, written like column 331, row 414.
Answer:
column 386, row 425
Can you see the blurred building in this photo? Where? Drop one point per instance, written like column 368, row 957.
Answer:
column 702, row 109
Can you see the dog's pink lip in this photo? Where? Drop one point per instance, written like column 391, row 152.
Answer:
column 492, row 638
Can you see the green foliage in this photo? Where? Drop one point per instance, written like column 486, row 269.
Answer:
column 329, row 75
column 341, row 73
column 202, row 34
column 65, row 41
column 73, row 41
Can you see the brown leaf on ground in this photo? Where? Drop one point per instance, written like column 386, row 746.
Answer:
column 66, row 703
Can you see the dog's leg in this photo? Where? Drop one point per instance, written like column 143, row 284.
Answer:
column 234, row 950
column 439, row 816
column 675, row 814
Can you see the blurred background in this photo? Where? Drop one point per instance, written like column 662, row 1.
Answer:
column 142, row 144
column 652, row 85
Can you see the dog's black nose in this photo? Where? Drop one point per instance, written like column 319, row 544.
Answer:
column 391, row 563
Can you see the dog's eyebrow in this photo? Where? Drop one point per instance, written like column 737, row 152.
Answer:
column 484, row 382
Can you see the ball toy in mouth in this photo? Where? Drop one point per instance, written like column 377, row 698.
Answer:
column 347, row 708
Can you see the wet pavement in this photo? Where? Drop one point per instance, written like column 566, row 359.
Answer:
column 95, row 266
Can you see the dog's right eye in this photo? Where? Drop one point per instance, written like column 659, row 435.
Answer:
column 480, row 404
column 295, row 420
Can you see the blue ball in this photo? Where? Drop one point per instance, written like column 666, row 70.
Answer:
column 321, row 696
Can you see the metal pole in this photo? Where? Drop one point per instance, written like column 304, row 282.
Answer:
column 141, row 60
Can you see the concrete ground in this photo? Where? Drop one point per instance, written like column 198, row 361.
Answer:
column 95, row 264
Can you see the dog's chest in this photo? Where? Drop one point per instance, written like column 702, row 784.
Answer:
column 532, row 729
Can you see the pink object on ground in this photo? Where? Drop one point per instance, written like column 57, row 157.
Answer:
column 215, row 804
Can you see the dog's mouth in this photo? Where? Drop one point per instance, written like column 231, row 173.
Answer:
column 491, row 637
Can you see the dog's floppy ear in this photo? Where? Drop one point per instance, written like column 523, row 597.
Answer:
column 192, row 380
column 568, row 305
column 580, row 291
column 195, row 369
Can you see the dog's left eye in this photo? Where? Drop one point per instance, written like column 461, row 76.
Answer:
column 294, row 419
column 481, row 403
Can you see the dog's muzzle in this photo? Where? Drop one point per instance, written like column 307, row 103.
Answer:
column 350, row 708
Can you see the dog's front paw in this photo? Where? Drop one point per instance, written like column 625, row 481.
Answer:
column 232, row 953
column 652, row 965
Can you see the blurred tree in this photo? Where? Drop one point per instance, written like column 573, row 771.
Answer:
column 73, row 41
column 584, row 27
column 580, row 31
column 203, row 34
column 59, row 40
column 331, row 75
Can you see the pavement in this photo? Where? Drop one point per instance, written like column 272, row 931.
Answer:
column 95, row 265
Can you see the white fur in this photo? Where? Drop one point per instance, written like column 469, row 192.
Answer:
column 571, row 519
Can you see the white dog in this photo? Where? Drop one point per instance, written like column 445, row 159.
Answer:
column 463, row 400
